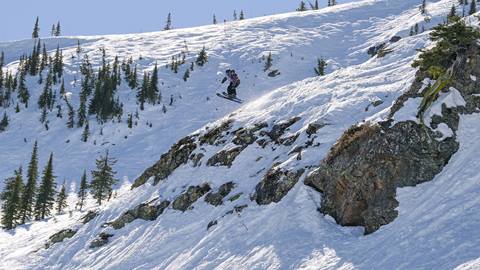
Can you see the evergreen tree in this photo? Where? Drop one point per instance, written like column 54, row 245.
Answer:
column 130, row 121
column 46, row 192
column 11, row 200
column 82, row 192
column 36, row 29
column 302, row 7
column 423, row 7
column 52, row 32
column 61, row 199
column 103, row 178
column 57, row 30
column 23, row 94
column 453, row 12
column 30, row 192
column 235, row 17
column 321, row 65
column 473, row 7
column 186, row 75
column 242, row 15
column 152, row 93
column 142, row 91
column 214, row 19
column 268, row 62
column 202, row 57
column 4, row 122
column 46, row 98
column 71, row 115
column 168, row 25
column 79, row 49
column 58, row 64
column 86, row 132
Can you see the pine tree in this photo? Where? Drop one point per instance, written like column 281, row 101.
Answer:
column 168, row 25
column 71, row 115
column 242, row 15
column 103, row 178
column 30, row 192
column 321, row 65
column 130, row 121
column 46, row 98
column 186, row 75
column 152, row 93
column 82, row 192
column 202, row 57
column 473, row 7
column 23, row 94
column 302, row 7
column 142, row 91
column 214, row 19
column 46, row 192
column 423, row 7
column 11, row 197
column 61, row 199
column 4, row 122
column 57, row 30
column 86, row 132
column 268, row 62
column 36, row 29
column 235, row 17
column 79, row 49
column 52, row 32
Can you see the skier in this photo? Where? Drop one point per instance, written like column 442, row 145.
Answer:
column 234, row 83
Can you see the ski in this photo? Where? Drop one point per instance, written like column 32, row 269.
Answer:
column 230, row 98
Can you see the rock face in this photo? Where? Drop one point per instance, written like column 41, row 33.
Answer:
column 101, row 240
column 279, row 129
column 60, row 236
column 143, row 211
column 359, row 177
column 189, row 197
column 216, row 198
column 89, row 216
column 275, row 185
column 179, row 154
column 225, row 157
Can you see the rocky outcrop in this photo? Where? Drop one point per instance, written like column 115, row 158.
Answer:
column 101, row 240
column 225, row 157
column 60, row 236
column 179, row 154
column 212, row 136
column 216, row 198
column 89, row 216
column 189, row 197
column 144, row 211
column 279, row 129
column 360, row 175
column 275, row 185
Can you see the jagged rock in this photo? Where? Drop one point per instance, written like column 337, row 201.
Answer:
column 211, row 224
column 288, row 141
column 143, row 211
column 395, row 39
column 372, row 51
column 279, row 129
column 360, row 175
column 313, row 128
column 101, row 240
column 246, row 136
column 275, row 185
column 196, row 158
column 216, row 198
column 274, row 73
column 89, row 216
column 178, row 155
column 189, row 197
column 236, row 209
column 211, row 137
column 60, row 236
column 225, row 157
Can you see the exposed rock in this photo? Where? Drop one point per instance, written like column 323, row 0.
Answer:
column 225, row 157
column 211, row 224
column 395, row 39
column 216, row 198
column 60, row 236
column 211, row 137
column 178, row 155
column 246, row 136
column 189, row 197
column 360, row 175
column 236, row 209
column 314, row 127
column 143, row 211
column 101, row 240
column 275, row 185
column 279, row 129
column 89, row 216
column 288, row 141
column 274, row 73
column 196, row 158
column 372, row 51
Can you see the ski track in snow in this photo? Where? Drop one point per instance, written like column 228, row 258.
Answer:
column 438, row 221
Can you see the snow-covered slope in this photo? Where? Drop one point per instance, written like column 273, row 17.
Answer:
column 437, row 224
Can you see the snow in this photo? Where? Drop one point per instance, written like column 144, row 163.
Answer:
column 438, row 221
column 473, row 78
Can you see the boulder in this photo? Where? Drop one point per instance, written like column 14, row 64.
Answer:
column 60, row 236
column 143, row 211
column 275, row 185
column 216, row 198
column 360, row 175
column 101, row 240
column 89, row 216
column 189, row 197
column 225, row 157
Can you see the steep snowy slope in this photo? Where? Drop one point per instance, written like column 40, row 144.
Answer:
column 437, row 225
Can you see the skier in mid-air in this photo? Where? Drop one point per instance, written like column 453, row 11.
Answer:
column 234, row 83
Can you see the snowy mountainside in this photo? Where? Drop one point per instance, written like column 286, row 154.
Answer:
column 437, row 219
